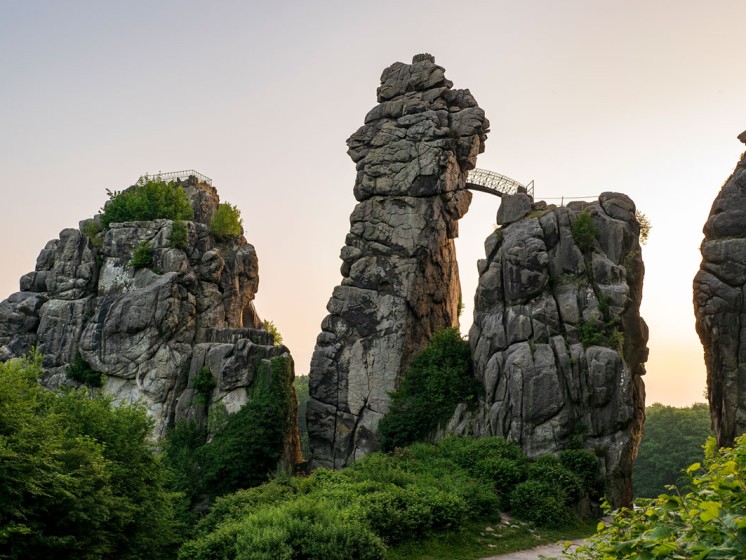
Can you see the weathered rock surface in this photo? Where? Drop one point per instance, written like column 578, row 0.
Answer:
column 148, row 331
column 400, row 276
column 557, row 341
column 719, row 289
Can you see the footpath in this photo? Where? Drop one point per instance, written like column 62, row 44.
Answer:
column 546, row 551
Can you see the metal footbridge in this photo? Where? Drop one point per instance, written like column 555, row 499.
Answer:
column 493, row 183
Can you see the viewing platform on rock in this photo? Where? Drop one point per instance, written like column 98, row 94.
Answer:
column 490, row 182
column 172, row 176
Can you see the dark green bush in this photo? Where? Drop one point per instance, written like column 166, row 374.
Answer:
column 142, row 256
column 179, row 235
column 155, row 199
column 82, row 372
column 204, row 382
column 539, row 502
column 549, row 469
column 584, row 231
column 504, row 474
column 584, row 465
column 226, row 223
column 438, row 379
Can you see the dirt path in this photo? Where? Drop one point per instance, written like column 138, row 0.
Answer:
column 545, row 551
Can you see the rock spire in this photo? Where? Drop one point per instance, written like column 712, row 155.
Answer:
column 400, row 276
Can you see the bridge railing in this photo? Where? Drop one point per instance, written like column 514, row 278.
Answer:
column 500, row 184
column 174, row 175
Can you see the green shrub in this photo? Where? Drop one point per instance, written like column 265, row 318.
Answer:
column 155, row 199
column 204, row 382
column 438, row 378
column 92, row 229
column 707, row 520
column 179, row 235
column 584, row 465
column 142, row 256
column 549, row 469
column 504, row 474
column 584, row 231
column 644, row 222
column 270, row 327
column 226, row 223
column 539, row 502
column 82, row 372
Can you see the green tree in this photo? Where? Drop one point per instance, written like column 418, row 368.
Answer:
column 226, row 223
column 438, row 378
column 301, row 392
column 154, row 199
column 672, row 440
column 77, row 476
column 270, row 327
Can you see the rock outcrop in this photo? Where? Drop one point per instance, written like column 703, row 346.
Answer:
column 719, row 289
column 149, row 331
column 400, row 276
column 557, row 341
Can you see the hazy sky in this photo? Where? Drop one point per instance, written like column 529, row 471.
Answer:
column 642, row 97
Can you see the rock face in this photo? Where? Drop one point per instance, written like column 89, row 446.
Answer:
column 557, row 341
column 148, row 331
column 400, row 276
column 719, row 289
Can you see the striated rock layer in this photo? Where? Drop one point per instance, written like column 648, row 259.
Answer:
column 557, row 341
column 719, row 288
column 148, row 331
column 400, row 276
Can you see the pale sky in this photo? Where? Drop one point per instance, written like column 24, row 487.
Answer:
column 640, row 97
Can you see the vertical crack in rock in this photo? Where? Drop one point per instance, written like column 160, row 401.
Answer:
column 400, row 278
column 719, row 288
column 557, row 341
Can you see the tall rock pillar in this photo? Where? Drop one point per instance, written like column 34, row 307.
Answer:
column 400, row 277
column 719, row 289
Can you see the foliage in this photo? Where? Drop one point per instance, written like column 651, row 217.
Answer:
column 92, row 229
column 672, row 440
column 155, row 199
column 204, row 382
column 584, row 231
column 438, row 378
column 226, row 223
column 644, row 222
column 179, row 235
column 301, row 393
column 142, row 256
column 538, row 501
column 77, row 476
column 217, row 417
column 707, row 521
column 414, row 493
column 270, row 327
column 82, row 372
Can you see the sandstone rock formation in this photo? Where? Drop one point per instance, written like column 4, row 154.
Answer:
column 557, row 341
column 148, row 331
column 400, row 276
column 719, row 289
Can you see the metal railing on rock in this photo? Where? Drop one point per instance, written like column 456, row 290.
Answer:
column 174, row 176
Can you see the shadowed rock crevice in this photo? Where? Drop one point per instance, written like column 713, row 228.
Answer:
column 400, row 276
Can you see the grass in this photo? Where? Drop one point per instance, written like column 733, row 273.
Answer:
column 482, row 539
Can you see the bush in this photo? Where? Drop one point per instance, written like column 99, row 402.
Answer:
column 226, row 223
column 204, row 382
column 584, row 231
column 270, row 327
column 438, row 379
column 82, row 372
column 155, row 199
column 548, row 469
column 539, row 502
column 179, row 235
column 142, row 256
column 707, row 521
column 92, row 229
column 644, row 222
column 584, row 465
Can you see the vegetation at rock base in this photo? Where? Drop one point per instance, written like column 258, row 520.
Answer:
column 706, row 518
column 379, row 503
column 270, row 327
column 584, row 231
column 78, row 478
column 226, row 223
column 438, row 378
column 247, row 447
column 82, row 372
column 152, row 200
column 142, row 256
column 179, row 234
column 301, row 393
column 672, row 441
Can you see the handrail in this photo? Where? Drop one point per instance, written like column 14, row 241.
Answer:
column 175, row 175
